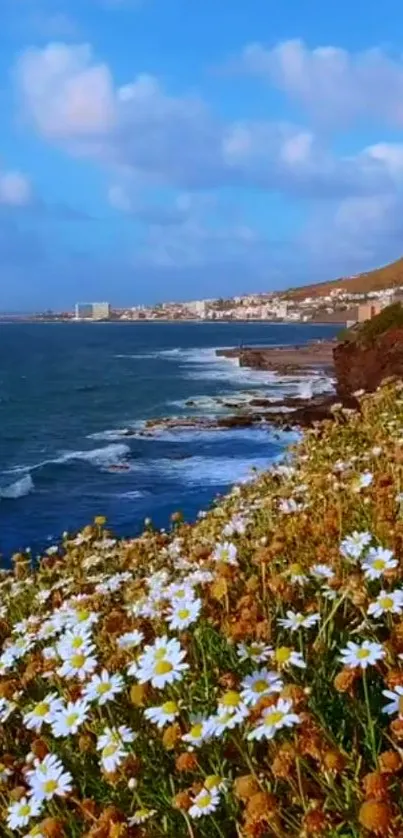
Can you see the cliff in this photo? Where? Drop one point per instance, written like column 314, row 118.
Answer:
column 387, row 276
column 370, row 353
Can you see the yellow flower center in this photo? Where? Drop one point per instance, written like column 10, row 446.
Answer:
column 231, row 699
column 110, row 749
column 162, row 668
column 212, row 782
column 378, row 564
column 180, row 594
column 274, row 717
column 77, row 642
column 204, row 801
column 159, row 654
column 386, row 602
column 72, row 718
column 363, row 653
column 224, row 718
column 259, row 686
column 50, row 786
column 41, row 709
column 183, row 614
column 103, row 688
column 169, row 707
column 283, row 654
column 77, row 661
column 141, row 813
column 296, row 570
column 24, row 811
column 196, row 731
column 82, row 615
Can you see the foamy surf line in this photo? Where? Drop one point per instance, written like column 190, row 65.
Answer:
column 105, row 457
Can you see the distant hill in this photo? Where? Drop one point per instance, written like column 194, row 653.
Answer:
column 390, row 276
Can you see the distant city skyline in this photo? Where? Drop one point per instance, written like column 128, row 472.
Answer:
column 163, row 149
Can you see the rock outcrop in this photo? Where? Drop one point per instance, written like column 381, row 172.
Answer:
column 370, row 353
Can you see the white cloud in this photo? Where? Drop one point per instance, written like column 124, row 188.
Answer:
column 332, row 83
column 15, row 189
column 65, row 92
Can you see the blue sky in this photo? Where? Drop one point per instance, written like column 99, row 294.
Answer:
column 179, row 149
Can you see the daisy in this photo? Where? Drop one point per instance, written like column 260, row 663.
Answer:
column 224, row 720
column 77, row 639
column 285, row 656
column 377, row 561
column 111, row 744
column 162, row 665
column 237, row 526
column 261, row 683
column 198, row 733
column 273, row 719
column 141, row 816
column 257, row 652
column 365, row 654
column 6, row 709
column 21, row 812
column 295, row 621
column 102, row 688
column 354, row 545
column 226, row 553
column 183, row 614
column 49, row 779
column 363, row 481
column 297, row 574
column 396, row 701
column 162, row 715
column 78, row 665
column 322, row 571
column 180, row 591
column 69, row 719
column 43, row 712
column 130, row 639
column 204, row 803
column 386, row 602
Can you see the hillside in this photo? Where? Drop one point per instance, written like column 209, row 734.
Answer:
column 389, row 276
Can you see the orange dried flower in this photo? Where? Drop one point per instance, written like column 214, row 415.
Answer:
column 138, row 694
column 397, row 728
column 261, row 805
column 376, row 816
column 333, row 761
column 186, row 762
column 344, row 680
column 182, row 801
column 52, row 828
column 246, row 786
column 296, row 694
column 315, row 822
column 284, row 762
column 390, row 762
column 85, row 743
column 39, row 748
column 375, row 785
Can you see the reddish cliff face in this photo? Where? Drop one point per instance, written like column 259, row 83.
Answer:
column 364, row 366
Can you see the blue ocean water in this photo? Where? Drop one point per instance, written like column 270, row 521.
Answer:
column 67, row 391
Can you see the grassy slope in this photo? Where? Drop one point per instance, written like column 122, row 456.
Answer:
column 335, row 772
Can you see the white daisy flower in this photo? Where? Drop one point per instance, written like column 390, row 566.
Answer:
column 396, row 701
column 162, row 663
column 261, row 683
column 49, row 778
column 130, row 639
column 285, row 656
column 43, row 712
column 363, row 481
column 273, row 719
column 69, row 719
column 295, row 621
column 180, row 592
column 362, row 654
column 226, row 553
column 224, row 720
column 141, row 816
column 204, row 803
column 258, row 652
column 387, row 602
column 198, row 733
column 237, row 526
column 183, row 614
column 79, row 665
column 104, row 687
column 377, row 561
column 22, row 811
column 322, row 571
column 353, row 546
column 111, row 744
column 77, row 639
column 162, row 715
column 6, row 709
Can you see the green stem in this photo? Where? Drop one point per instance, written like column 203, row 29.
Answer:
column 370, row 719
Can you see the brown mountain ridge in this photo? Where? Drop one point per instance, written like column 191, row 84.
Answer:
column 389, row 276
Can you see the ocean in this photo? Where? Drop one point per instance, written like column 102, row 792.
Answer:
column 69, row 391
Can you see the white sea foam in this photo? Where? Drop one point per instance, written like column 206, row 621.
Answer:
column 220, row 471
column 18, row 489
column 103, row 457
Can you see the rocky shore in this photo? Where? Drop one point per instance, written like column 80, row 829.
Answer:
column 285, row 359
